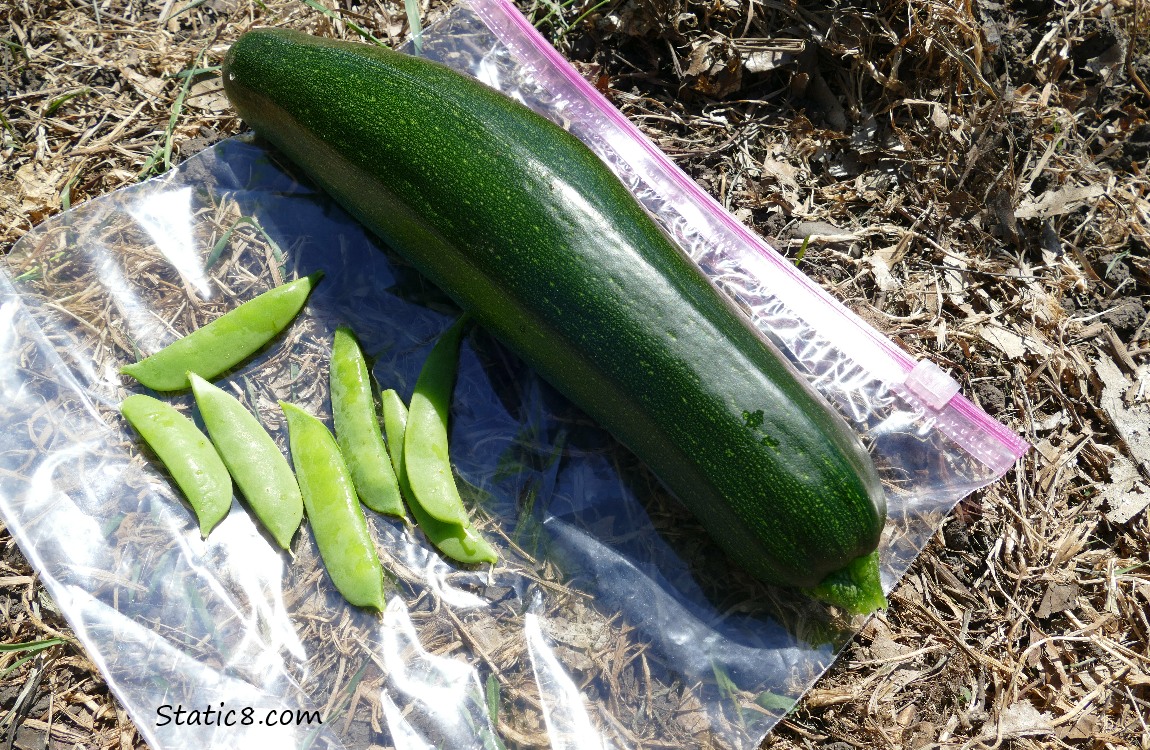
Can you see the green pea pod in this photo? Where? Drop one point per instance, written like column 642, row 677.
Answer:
column 458, row 541
column 357, row 429
column 333, row 510
column 226, row 341
column 259, row 469
column 425, row 441
column 394, row 424
column 187, row 453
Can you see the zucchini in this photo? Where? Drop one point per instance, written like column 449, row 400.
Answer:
column 528, row 231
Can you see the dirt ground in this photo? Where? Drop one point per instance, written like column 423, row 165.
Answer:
column 968, row 176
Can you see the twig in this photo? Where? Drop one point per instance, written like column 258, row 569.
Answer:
column 1130, row 71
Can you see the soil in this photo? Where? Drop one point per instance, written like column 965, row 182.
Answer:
column 951, row 171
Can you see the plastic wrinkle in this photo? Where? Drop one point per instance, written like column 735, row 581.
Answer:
column 564, row 709
column 440, row 684
column 610, row 620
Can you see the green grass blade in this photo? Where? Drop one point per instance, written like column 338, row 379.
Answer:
column 583, row 16
column 222, row 242
column 32, row 647
column 164, row 151
column 412, row 9
column 59, row 101
column 11, row 648
column 350, row 24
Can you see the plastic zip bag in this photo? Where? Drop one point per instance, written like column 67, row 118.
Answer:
column 611, row 619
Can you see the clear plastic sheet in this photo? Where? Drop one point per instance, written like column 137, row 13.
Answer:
column 611, row 619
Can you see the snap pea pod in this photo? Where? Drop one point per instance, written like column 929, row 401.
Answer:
column 395, row 424
column 357, row 430
column 188, row 455
column 255, row 463
column 425, row 439
column 226, row 341
column 458, row 541
column 333, row 510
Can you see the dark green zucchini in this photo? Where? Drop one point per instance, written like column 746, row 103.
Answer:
column 526, row 229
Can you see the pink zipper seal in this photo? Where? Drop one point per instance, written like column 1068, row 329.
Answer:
column 597, row 122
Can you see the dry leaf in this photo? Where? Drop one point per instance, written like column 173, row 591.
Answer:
column 208, row 96
column 1019, row 719
column 762, row 55
column 715, row 68
column 786, row 177
column 1084, row 729
column 1058, row 202
column 884, row 648
column 1106, row 64
column 39, row 190
column 881, row 270
column 1127, row 495
column 939, row 118
column 1012, row 344
column 150, row 85
column 955, row 279
column 1058, row 598
column 1131, row 422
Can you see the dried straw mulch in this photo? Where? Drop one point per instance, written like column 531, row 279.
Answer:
column 969, row 176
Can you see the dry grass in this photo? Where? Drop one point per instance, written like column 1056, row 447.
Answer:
column 970, row 177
